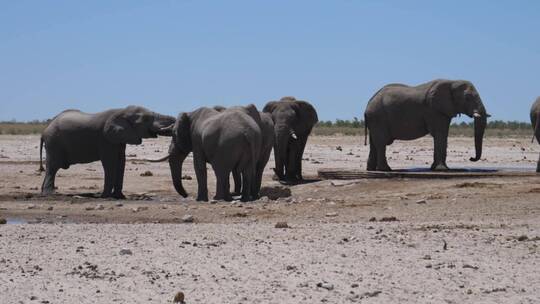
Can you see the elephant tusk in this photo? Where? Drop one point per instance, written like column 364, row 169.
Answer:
column 476, row 115
column 294, row 136
column 165, row 129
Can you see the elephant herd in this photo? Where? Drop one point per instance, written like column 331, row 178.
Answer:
column 235, row 140
column 239, row 140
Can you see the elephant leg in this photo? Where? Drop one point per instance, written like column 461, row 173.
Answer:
column 382, row 164
column 372, row 158
column 200, row 171
column 439, row 131
column 48, row 182
column 248, row 178
column 538, row 165
column 439, row 155
column 120, row 169
column 300, row 153
column 109, row 163
column 222, row 185
column 258, row 181
column 237, row 182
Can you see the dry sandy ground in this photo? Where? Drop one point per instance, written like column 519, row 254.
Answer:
column 366, row 241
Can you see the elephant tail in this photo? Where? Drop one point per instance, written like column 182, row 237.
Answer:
column 536, row 126
column 365, row 130
column 41, row 169
column 164, row 158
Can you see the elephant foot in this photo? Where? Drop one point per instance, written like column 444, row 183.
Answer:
column 385, row 169
column 47, row 191
column 202, row 198
column 105, row 195
column 439, row 167
column 119, row 195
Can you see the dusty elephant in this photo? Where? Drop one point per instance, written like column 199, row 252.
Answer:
column 74, row 137
column 404, row 112
column 293, row 122
column 535, row 122
column 264, row 120
column 228, row 140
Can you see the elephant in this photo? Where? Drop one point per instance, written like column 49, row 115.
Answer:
column 75, row 137
column 535, row 122
column 264, row 120
column 229, row 140
column 293, row 121
column 402, row 112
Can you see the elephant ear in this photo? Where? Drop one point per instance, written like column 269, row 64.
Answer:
column 270, row 107
column 182, row 132
column 119, row 130
column 439, row 97
column 307, row 113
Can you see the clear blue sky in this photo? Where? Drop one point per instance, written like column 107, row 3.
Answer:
column 174, row 56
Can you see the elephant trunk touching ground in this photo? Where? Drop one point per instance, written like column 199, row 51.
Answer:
column 281, row 146
column 176, row 159
column 479, row 128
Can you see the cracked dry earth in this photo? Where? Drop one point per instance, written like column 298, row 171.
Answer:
column 359, row 241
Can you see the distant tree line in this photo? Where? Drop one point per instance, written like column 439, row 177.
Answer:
column 494, row 124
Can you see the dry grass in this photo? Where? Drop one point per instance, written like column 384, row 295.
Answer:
column 17, row 128
column 36, row 128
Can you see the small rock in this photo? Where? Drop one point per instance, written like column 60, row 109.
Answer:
column 147, row 173
column 331, row 214
column 281, row 225
column 31, row 206
column 469, row 291
column 187, row 177
column 522, row 238
column 125, row 251
column 470, row 266
column 354, row 285
column 427, row 257
column 3, row 221
column 118, row 205
column 188, row 218
column 140, row 208
column 213, row 202
column 422, row 201
column 373, row 219
column 100, row 207
column 388, row 219
column 179, row 297
column 90, row 208
column 339, row 148
column 50, row 208
column 325, row 285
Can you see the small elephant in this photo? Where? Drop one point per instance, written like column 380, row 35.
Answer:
column 293, row 122
column 404, row 112
column 75, row 137
column 535, row 122
column 264, row 120
column 228, row 140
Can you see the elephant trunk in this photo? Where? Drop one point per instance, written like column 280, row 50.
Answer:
column 176, row 159
column 479, row 128
column 280, row 151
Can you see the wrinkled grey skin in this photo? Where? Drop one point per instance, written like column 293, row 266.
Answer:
column 535, row 122
column 265, row 123
column 404, row 112
column 293, row 120
column 74, row 137
column 228, row 140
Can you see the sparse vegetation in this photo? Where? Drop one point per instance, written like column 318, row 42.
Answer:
column 495, row 128
column 355, row 127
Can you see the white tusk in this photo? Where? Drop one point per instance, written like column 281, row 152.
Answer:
column 294, row 136
column 476, row 115
column 169, row 128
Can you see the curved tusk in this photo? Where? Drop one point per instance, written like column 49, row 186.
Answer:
column 293, row 135
column 165, row 129
column 476, row 115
